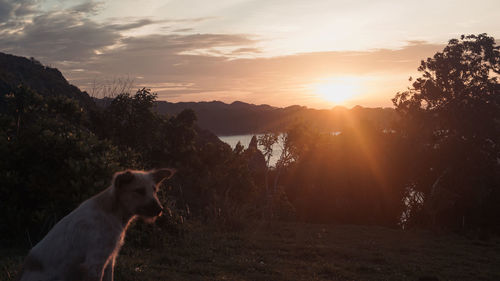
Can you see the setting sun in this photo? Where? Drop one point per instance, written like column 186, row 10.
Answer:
column 338, row 90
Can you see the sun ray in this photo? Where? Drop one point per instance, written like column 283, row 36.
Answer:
column 338, row 90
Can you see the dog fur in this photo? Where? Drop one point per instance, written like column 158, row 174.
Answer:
column 84, row 244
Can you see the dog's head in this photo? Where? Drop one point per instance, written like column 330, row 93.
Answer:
column 136, row 191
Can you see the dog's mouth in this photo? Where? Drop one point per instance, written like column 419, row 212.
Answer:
column 150, row 211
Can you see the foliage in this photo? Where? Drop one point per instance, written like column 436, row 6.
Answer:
column 451, row 115
column 213, row 181
column 130, row 121
column 353, row 177
column 44, row 80
column 267, row 141
column 51, row 163
column 458, row 92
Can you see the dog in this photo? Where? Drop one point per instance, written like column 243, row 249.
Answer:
column 84, row 244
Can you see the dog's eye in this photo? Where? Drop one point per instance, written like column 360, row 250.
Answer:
column 140, row 191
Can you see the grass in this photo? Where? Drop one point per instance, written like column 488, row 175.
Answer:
column 296, row 251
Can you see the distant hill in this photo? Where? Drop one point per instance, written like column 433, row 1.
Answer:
column 46, row 81
column 243, row 118
column 240, row 118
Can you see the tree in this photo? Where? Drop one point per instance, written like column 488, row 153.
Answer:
column 277, row 200
column 458, row 90
column 50, row 163
column 452, row 114
column 130, row 121
column 267, row 142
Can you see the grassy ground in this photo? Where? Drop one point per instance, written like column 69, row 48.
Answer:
column 269, row 251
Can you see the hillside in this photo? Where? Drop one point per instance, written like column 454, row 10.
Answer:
column 46, row 81
column 243, row 118
column 301, row 251
column 298, row 251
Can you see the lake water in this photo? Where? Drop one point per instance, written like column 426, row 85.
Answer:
column 245, row 141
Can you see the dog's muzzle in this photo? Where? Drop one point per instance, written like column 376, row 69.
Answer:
column 152, row 209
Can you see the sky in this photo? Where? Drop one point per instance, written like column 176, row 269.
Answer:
column 279, row 52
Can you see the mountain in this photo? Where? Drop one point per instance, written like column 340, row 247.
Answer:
column 243, row 118
column 46, row 81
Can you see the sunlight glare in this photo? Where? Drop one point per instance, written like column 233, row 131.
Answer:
column 338, row 90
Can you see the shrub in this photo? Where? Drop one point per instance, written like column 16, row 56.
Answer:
column 51, row 163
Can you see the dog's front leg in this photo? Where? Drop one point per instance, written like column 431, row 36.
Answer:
column 95, row 263
column 109, row 270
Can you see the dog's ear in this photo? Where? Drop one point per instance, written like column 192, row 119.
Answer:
column 123, row 178
column 160, row 175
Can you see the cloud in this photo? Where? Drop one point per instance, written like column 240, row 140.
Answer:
column 190, row 20
column 12, row 9
column 183, row 30
column 87, row 7
column 131, row 25
column 162, row 62
column 60, row 36
column 52, row 36
column 180, row 64
column 241, row 51
column 175, row 43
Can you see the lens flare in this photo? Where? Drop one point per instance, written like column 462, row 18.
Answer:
column 338, row 90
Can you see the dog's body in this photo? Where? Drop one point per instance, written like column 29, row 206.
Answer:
column 85, row 243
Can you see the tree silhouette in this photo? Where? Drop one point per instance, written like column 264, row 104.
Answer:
column 459, row 89
column 452, row 115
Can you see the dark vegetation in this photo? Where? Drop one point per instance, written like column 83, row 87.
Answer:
column 435, row 166
column 47, row 81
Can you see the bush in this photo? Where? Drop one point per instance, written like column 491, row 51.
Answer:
column 51, row 163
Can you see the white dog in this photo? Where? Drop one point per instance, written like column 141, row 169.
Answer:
column 85, row 243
